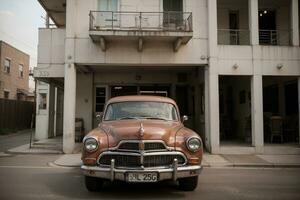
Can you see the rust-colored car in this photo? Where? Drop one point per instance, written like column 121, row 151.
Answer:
column 142, row 139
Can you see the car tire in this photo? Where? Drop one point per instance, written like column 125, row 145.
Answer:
column 188, row 184
column 93, row 184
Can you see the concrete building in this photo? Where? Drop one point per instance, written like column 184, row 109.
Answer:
column 14, row 72
column 233, row 66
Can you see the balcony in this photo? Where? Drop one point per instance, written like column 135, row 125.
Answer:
column 275, row 37
column 175, row 27
column 233, row 37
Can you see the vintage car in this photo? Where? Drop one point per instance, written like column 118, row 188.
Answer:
column 141, row 139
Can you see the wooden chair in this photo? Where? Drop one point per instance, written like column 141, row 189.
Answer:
column 276, row 127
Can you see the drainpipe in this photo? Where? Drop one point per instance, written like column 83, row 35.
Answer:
column 47, row 22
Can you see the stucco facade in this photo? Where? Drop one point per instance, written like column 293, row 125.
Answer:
column 81, row 57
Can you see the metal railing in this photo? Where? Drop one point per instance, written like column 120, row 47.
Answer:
column 275, row 37
column 233, row 37
column 141, row 21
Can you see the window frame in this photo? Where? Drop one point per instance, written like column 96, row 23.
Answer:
column 21, row 73
column 7, row 67
column 4, row 94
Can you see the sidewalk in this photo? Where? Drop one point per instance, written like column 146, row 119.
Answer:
column 54, row 146
column 47, row 146
column 209, row 160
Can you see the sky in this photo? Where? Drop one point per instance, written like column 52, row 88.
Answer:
column 19, row 23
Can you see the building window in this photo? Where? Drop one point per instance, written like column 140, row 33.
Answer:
column 100, row 99
column 6, row 65
column 108, row 5
column 6, row 95
column 42, row 101
column 21, row 72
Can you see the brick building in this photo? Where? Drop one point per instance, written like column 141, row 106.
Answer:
column 14, row 73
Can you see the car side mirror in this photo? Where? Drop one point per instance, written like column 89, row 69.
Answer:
column 184, row 118
column 99, row 116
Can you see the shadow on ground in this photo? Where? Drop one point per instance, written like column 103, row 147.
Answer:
column 72, row 186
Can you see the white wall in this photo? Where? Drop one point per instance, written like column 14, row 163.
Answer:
column 42, row 116
column 51, row 46
column 84, row 99
column 259, row 59
column 88, row 52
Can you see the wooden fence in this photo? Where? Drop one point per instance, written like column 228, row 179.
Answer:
column 15, row 114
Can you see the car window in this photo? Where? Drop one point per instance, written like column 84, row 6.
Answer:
column 141, row 109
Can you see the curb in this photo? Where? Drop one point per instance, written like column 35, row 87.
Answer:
column 270, row 166
column 32, row 153
column 24, row 149
column 53, row 164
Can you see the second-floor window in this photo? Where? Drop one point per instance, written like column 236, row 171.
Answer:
column 108, row 5
column 7, row 65
column 21, row 72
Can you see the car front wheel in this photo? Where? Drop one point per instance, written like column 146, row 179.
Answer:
column 93, row 184
column 188, row 184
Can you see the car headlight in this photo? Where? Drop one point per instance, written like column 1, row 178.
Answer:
column 90, row 144
column 193, row 144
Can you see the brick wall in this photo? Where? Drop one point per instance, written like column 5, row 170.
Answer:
column 11, row 82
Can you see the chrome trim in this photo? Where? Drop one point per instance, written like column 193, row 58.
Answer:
column 164, row 174
column 142, row 154
column 90, row 137
column 139, row 141
column 187, row 142
column 175, row 166
column 112, row 168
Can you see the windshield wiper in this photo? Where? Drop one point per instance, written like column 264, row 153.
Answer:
column 123, row 118
column 158, row 118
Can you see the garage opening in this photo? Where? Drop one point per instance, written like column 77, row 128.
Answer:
column 281, row 110
column 235, row 110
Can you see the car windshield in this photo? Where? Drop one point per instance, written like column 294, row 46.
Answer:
column 141, row 110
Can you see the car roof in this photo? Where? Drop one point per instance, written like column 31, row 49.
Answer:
column 141, row 98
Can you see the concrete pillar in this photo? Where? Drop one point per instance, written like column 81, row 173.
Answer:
column 69, row 108
column 212, row 120
column 212, row 130
column 253, row 22
column 295, row 22
column 55, row 113
column 299, row 104
column 257, row 113
column 212, row 28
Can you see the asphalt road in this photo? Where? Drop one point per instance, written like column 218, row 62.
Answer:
column 30, row 177
column 14, row 140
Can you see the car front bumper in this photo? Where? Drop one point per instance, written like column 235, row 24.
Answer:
column 173, row 173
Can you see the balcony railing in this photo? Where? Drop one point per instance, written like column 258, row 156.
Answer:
column 233, row 37
column 275, row 37
column 141, row 21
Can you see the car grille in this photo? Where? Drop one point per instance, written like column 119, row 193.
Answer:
column 151, row 160
column 147, row 145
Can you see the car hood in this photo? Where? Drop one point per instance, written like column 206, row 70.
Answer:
column 140, row 130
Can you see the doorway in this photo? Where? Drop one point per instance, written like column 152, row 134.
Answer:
column 267, row 27
column 281, row 110
column 173, row 16
column 234, row 27
column 235, row 110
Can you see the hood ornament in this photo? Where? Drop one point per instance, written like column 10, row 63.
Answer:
column 142, row 130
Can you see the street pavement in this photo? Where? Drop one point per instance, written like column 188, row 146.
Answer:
column 31, row 177
column 45, row 176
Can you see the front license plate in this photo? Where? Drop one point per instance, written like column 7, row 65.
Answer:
column 142, row 177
